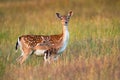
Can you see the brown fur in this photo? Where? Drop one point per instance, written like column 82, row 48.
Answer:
column 50, row 44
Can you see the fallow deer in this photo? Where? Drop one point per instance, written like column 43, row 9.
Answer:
column 44, row 44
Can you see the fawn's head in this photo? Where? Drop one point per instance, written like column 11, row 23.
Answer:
column 65, row 19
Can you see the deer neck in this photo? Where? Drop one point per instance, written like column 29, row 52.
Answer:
column 65, row 32
column 65, row 39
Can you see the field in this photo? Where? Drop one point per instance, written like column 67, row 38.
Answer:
column 93, row 52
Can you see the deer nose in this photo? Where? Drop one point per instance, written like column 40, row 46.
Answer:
column 65, row 22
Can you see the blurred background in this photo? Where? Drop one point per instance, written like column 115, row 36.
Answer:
column 94, row 45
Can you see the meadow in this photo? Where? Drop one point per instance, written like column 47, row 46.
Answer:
column 93, row 52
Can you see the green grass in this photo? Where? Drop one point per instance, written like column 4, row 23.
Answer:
column 94, row 45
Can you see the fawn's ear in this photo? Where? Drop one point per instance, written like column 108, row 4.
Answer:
column 70, row 13
column 58, row 15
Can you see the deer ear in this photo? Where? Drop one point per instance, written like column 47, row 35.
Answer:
column 70, row 13
column 58, row 15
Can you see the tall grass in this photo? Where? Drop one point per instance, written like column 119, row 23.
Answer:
column 93, row 49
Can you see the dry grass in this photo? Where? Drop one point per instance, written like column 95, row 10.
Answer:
column 93, row 49
column 100, row 68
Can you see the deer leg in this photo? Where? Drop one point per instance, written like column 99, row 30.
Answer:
column 47, row 56
column 56, row 58
column 24, row 57
column 19, row 58
column 25, row 53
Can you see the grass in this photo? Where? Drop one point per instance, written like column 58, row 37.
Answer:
column 93, row 49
